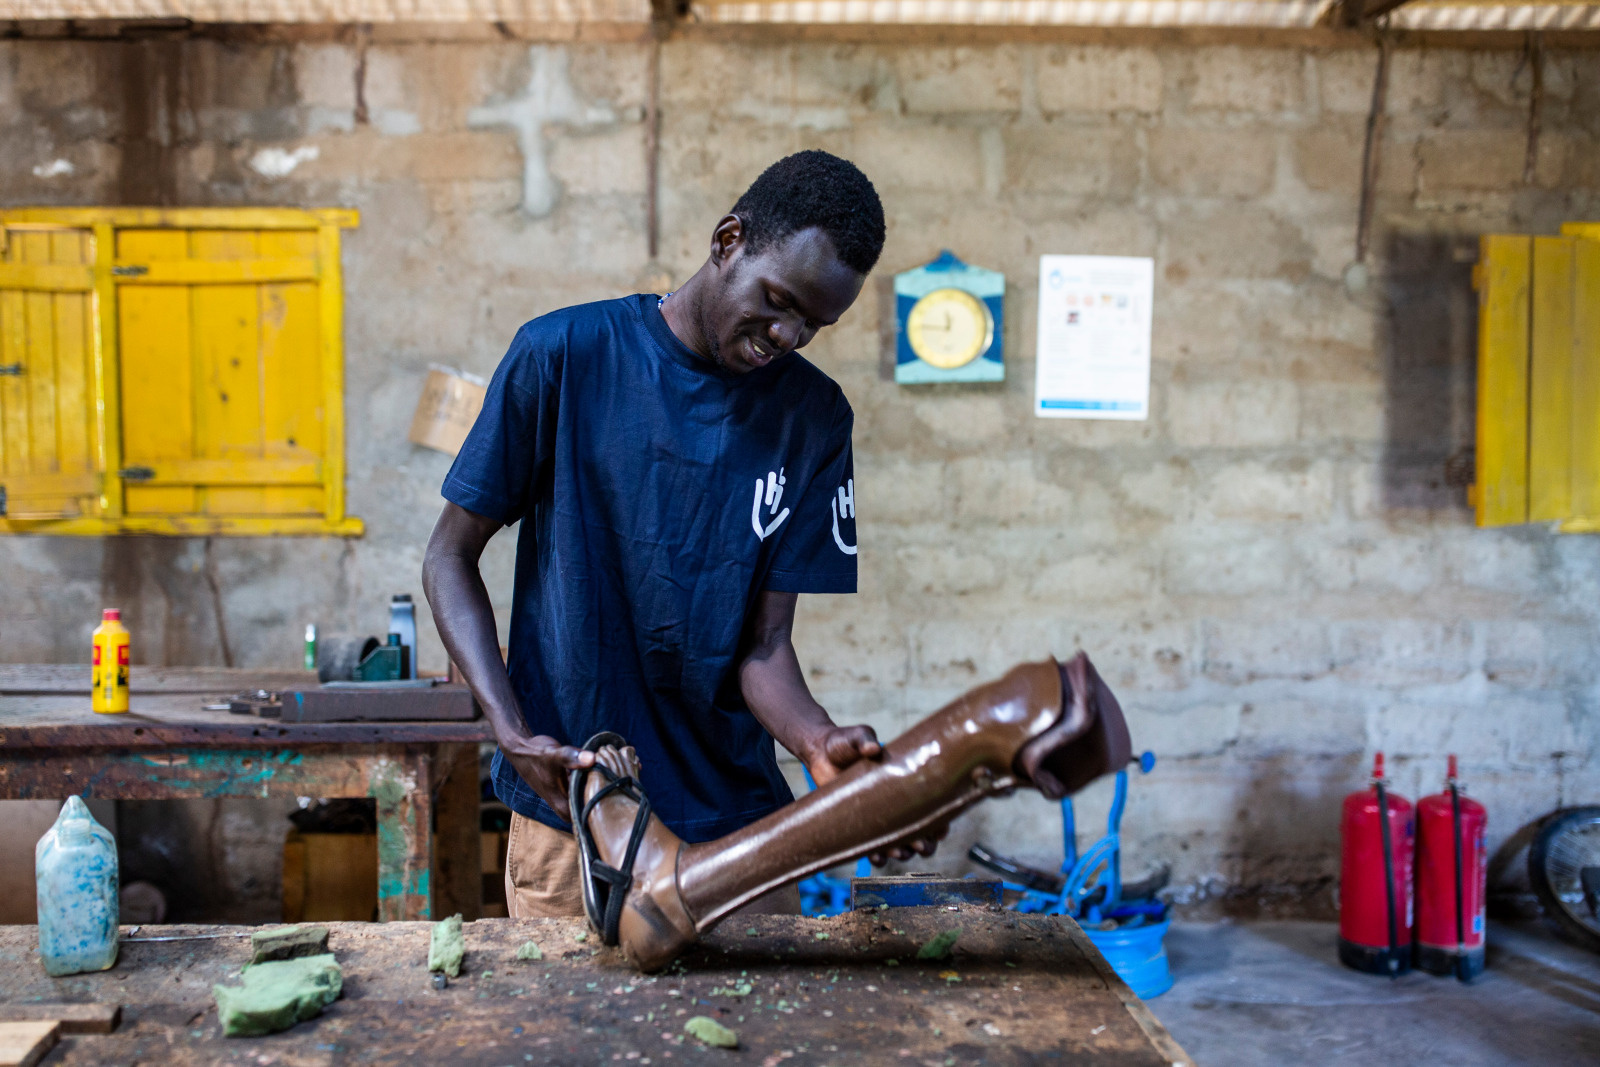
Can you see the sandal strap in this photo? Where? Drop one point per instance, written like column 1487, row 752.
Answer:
column 619, row 879
column 605, row 888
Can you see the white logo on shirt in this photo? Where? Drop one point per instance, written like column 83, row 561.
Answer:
column 844, row 504
column 771, row 490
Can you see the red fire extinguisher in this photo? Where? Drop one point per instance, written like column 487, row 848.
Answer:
column 1452, row 881
column 1376, row 839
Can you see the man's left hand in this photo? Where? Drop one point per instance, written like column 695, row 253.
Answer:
column 839, row 747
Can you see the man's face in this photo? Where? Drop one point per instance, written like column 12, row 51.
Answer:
column 769, row 303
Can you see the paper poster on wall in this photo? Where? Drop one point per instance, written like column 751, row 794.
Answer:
column 1094, row 337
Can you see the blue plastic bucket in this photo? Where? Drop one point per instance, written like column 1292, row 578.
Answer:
column 1139, row 955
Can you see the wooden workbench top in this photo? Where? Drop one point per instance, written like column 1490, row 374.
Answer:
column 799, row 992
column 47, row 706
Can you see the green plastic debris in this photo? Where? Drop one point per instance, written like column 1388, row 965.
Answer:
column 710, row 1032
column 752, row 932
column 446, row 946
column 275, row 995
column 288, row 943
column 820, row 935
column 581, row 935
column 939, row 947
column 530, row 951
column 738, row 989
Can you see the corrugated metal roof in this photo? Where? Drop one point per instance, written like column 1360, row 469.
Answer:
column 1473, row 15
column 1272, row 13
column 1279, row 14
column 334, row 10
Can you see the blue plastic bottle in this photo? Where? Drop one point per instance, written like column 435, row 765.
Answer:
column 75, row 867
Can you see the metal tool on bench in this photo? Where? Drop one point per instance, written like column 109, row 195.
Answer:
column 1125, row 921
column 362, row 659
column 368, row 659
column 262, row 703
column 363, row 680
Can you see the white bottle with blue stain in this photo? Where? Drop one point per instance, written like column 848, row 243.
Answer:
column 75, row 866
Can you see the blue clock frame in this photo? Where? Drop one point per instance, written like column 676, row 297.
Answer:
column 948, row 272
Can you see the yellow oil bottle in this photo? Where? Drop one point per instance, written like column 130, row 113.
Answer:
column 110, row 694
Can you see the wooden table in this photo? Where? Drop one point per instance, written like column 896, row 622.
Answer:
column 1016, row 990
column 422, row 774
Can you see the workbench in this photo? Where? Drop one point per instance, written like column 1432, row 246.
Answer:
column 423, row 775
column 1016, row 989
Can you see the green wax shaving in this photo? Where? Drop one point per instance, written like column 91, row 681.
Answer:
column 530, row 951
column 711, row 1032
column 446, row 946
column 274, row 996
column 288, row 942
column 939, row 947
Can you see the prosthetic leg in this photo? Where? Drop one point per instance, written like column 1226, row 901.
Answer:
column 1051, row 726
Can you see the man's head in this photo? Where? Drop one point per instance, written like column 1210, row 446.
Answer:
column 789, row 259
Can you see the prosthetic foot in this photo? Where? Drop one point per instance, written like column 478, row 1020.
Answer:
column 1050, row 726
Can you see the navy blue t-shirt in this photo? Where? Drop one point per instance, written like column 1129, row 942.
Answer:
column 659, row 495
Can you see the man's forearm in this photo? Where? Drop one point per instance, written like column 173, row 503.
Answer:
column 776, row 692
column 465, row 618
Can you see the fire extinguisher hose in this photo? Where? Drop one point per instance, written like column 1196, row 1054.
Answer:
column 1388, row 881
column 1461, row 932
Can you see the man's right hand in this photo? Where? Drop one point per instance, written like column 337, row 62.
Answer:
column 544, row 763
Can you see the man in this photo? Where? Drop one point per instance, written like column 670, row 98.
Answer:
column 680, row 475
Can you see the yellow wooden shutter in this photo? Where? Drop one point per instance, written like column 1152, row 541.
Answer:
column 1538, row 432
column 223, row 370
column 49, row 455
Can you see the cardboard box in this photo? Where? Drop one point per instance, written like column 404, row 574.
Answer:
column 330, row 877
column 494, row 873
column 448, row 407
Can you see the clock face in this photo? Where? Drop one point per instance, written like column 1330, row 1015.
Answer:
column 949, row 328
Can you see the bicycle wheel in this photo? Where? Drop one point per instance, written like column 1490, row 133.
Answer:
column 1564, row 867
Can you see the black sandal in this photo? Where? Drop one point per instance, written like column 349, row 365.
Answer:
column 605, row 887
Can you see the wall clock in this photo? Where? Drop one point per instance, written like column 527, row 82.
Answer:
column 948, row 323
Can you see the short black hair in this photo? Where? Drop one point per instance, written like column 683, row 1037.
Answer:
column 814, row 188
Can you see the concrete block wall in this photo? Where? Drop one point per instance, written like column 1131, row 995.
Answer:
column 1274, row 571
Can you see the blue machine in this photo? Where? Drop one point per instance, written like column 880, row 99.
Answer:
column 1092, row 889
column 1127, row 923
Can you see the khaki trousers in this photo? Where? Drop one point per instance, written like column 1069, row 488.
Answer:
column 542, row 877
